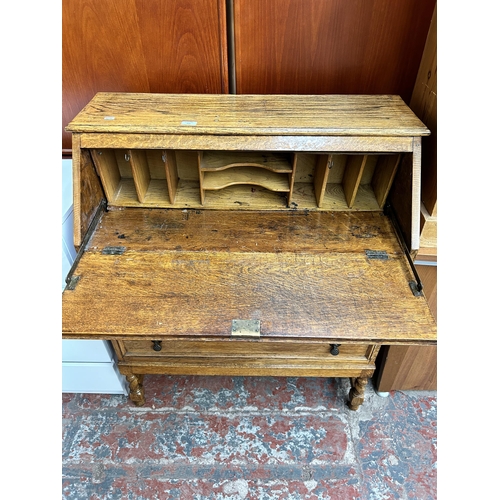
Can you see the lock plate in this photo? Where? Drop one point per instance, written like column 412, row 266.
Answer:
column 245, row 328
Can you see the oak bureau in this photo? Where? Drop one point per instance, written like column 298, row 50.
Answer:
column 246, row 235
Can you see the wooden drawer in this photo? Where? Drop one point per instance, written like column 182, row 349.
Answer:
column 245, row 358
column 244, row 349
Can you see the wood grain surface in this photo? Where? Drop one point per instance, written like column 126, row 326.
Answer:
column 161, row 287
column 157, row 230
column 329, row 46
column 189, row 142
column 342, row 115
column 87, row 191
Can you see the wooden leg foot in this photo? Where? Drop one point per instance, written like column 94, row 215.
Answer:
column 357, row 392
column 136, row 390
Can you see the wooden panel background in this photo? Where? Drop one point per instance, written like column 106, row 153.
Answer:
column 281, row 46
column 140, row 46
column 424, row 105
column 329, row 46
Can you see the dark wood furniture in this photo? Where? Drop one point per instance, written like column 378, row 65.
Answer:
column 140, row 46
column 239, row 46
column 245, row 235
column 329, row 46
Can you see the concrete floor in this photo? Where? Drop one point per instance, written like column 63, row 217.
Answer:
column 256, row 438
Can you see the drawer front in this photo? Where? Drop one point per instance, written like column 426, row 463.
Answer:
column 246, row 349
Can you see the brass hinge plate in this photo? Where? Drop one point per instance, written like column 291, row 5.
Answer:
column 245, row 328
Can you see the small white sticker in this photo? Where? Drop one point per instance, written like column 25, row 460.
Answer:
column 187, row 122
column 109, row 117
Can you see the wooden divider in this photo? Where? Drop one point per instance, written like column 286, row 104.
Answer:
column 291, row 177
column 140, row 171
column 107, row 168
column 323, row 165
column 202, row 177
column 352, row 177
column 383, row 177
column 171, row 174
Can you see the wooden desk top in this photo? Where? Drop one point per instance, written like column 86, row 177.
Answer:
column 164, row 273
column 325, row 115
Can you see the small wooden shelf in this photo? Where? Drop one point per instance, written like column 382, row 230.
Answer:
column 246, row 175
column 134, row 176
column 246, row 180
column 155, row 196
column 271, row 171
column 212, row 161
column 354, row 182
column 245, row 197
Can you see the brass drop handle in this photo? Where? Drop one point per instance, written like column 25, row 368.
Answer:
column 156, row 345
column 334, row 351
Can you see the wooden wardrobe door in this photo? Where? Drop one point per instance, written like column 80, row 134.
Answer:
column 177, row 46
column 329, row 46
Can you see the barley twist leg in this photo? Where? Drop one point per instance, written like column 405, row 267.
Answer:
column 136, row 389
column 357, row 392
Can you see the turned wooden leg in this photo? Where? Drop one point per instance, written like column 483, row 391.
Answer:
column 357, row 392
column 136, row 390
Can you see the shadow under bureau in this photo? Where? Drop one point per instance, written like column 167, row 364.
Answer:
column 246, row 235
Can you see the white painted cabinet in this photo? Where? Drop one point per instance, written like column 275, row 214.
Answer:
column 88, row 366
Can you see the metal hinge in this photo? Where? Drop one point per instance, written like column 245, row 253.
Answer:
column 376, row 254
column 71, row 284
column 416, row 286
column 110, row 250
column 245, row 328
column 97, row 217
